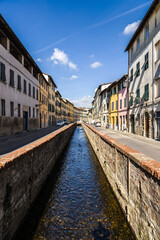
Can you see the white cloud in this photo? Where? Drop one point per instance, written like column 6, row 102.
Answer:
column 83, row 102
column 60, row 57
column 131, row 28
column 72, row 65
column 74, row 77
column 39, row 60
column 96, row 65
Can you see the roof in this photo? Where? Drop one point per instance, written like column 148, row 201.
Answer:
column 14, row 39
column 141, row 25
column 58, row 93
column 50, row 78
column 117, row 81
column 99, row 87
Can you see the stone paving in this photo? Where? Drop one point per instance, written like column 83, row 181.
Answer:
column 144, row 145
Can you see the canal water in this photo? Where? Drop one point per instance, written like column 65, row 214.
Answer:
column 77, row 202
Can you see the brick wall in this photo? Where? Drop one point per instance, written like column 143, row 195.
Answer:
column 135, row 180
column 22, row 175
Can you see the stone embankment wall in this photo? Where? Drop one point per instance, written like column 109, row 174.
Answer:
column 135, row 180
column 22, row 175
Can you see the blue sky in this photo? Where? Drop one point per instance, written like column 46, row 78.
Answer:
column 80, row 43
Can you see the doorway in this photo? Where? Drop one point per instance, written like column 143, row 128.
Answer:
column 146, row 124
column 132, row 123
column 25, row 121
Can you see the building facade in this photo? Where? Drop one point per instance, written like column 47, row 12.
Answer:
column 43, row 101
column 51, row 99
column 58, row 106
column 113, row 105
column 123, row 103
column 144, row 75
column 18, row 85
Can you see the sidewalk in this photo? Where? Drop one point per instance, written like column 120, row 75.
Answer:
column 144, row 145
column 11, row 143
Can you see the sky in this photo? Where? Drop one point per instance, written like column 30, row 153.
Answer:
column 80, row 43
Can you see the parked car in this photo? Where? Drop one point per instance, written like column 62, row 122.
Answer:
column 60, row 123
column 92, row 122
column 65, row 122
column 98, row 124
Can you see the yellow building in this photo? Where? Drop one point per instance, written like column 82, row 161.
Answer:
column 63, row 109
column 113, row 105
column 58, row 106
column 70, row 112
column 43, row 101
column 51, row 99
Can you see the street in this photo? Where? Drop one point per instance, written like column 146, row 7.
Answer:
column 144, row 145
column 10, row 143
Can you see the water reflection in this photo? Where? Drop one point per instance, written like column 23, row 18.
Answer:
column 81, row 204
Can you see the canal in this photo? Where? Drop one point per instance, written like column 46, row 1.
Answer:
column 77, row 201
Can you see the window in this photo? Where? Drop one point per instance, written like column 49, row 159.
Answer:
column 131, row 101
column 138, row 118
column 124, row 83
column 2, row 72
column 41, row 80
column 25, row 86
column 33, row 112
column 117, row 105
column 3, row 40
column 115, row 90
column 138, row 44
column 112, row 105
column 19, row 110
column 3, row 108
column 121, row 104
column 146, row 64
column 29, row 112
column 158, row 87
column 11, row 109
column 146, row 92
column 131, row 78
column 158, row 51
column 19, row 83
column 125, row 102
column 37, row 94
column 138, row 69
column 11, row 83
column 33, row 92
column 146, row 31
column 137, row 99
column 29, row 89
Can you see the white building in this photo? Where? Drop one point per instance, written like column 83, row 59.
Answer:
column 99, row 102
column 18, row 84
column 144, row 75
column 104, row 108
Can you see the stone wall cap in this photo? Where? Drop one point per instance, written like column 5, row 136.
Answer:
column 146, row 163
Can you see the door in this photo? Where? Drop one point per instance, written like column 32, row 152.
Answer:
column 120, row 123
column 25, row 121
column 146, row 124
column 40, row 119
column 113, row 122
column 132, row 124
